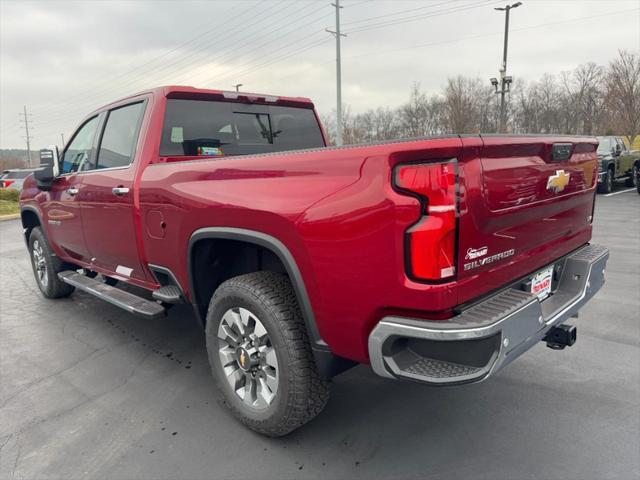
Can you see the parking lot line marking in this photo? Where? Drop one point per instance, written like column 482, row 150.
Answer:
column 621, row 191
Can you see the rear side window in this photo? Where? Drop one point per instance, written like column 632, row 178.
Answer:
column 199, row 127
column 120, row 136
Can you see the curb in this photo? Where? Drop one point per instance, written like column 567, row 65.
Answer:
column 11, row 216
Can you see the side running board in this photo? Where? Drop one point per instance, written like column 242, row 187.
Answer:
column 128, row 301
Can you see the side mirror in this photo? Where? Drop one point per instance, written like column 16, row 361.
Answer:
column 49, row 167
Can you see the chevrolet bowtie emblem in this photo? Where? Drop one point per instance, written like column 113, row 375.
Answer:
column 557, row 182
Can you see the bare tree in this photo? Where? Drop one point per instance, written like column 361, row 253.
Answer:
column 623, row 93
column 587, row 100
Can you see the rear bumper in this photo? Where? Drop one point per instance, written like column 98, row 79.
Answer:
column 484, row 338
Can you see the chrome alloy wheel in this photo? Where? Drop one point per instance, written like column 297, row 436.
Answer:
column 248, row 358
column 39, row 263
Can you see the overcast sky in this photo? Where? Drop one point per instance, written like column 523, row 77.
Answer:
column 62, row 59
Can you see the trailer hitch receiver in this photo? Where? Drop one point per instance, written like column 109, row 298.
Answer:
column 561, row 336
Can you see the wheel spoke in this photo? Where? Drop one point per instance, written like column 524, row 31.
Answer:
column 259, row 330
column 247, row 320
column 237, row 322
column 227, row 355
column 226, row 333
column 236, row 379
column 249, row 391
column 271, row 358
column 265, row 391
column 271, row 379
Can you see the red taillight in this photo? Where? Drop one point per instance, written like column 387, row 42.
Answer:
column 432, row 241
column 7, row 183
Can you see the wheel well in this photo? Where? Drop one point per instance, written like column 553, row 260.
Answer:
column 233, row 252
column 216, row 260
column 30, row 220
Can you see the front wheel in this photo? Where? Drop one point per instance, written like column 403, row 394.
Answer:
column 260, row 355
column 632, row 181
column 46, row 266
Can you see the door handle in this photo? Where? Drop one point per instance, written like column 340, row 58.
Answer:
column 73, row 191
column 119, row 191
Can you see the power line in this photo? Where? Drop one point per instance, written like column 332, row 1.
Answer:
column 173, row 65
column 239, row 19
column 285, row 34
column 387, row 15
column 67, row 112
column 483, row 35
column 415, row 18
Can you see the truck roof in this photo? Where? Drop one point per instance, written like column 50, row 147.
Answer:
column 188, row 92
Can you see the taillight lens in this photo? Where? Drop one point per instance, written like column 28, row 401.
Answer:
column 7, row 183
column 432, row 240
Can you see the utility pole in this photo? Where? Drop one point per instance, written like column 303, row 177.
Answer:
column 62, row 137
column 237, row 86
column 25, row 120
column 337, row 34
column 505, row 80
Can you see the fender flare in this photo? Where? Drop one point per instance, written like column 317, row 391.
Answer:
column 282, row 252
column 38, row 214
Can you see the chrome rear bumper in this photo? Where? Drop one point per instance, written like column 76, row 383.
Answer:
column 484, row 338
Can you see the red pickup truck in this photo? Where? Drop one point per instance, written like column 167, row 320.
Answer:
column 436, row 260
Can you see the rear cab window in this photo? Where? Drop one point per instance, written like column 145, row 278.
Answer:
column 214, row 128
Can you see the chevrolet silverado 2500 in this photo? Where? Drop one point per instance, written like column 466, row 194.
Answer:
column 436, row 260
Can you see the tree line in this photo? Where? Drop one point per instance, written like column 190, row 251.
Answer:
column 590, row 100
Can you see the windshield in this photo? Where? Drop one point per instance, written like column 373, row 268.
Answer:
column 606, row 145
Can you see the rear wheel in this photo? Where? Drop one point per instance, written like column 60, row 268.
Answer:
column 46, row 266
column 260, row 354
column 607, row 185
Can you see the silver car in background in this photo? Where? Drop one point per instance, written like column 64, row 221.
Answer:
column 14, row 178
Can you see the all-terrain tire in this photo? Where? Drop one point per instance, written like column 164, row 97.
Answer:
column 607, row 185
column 632, row 181
column 301, row 392
column 46, row 266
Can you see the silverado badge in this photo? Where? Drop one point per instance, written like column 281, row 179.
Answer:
column 557, row 182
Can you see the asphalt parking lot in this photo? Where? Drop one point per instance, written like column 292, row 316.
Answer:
column 87, row 391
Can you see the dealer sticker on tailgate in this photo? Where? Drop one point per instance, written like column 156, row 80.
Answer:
column 541, row 283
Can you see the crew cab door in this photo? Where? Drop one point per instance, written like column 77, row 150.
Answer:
column 62, row 208
column 625, row 160
column 108, row 212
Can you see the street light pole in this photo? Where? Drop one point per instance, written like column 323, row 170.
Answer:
column 237, row 86
column 505, row 80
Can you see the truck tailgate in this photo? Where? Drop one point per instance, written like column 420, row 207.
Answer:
column 525, row 202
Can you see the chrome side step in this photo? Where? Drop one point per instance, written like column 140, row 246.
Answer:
column 125, row 300
column 168, row 294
